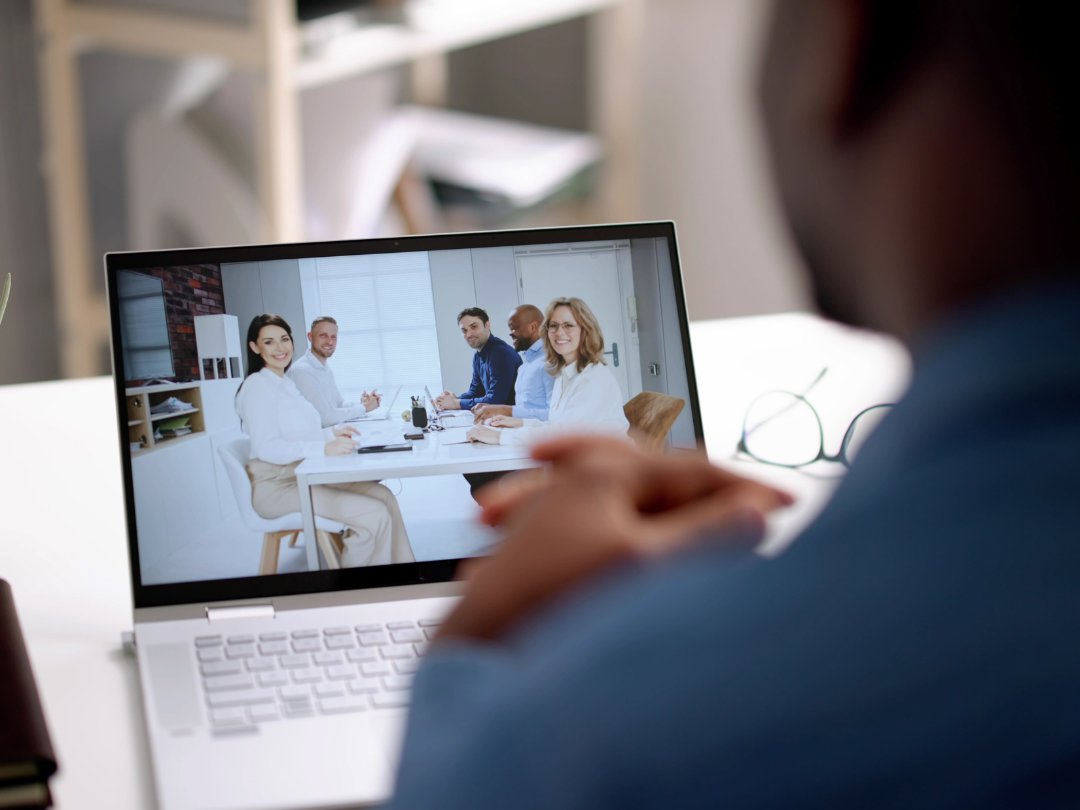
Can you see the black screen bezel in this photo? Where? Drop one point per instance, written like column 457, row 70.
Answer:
column 254, row 587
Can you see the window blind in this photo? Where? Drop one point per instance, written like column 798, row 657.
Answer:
column 386, row 321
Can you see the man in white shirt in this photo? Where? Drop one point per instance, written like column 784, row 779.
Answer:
column 314, row 379
column 532, row 389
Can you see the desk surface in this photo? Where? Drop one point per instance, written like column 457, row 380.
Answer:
column 65, row 552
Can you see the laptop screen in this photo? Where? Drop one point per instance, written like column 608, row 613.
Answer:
column 267, row 393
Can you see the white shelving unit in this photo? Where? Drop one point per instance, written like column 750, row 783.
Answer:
column 269, row 46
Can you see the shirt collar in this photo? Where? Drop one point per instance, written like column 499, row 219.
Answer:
column 534, row 350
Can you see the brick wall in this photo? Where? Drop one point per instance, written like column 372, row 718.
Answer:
column 190, row 290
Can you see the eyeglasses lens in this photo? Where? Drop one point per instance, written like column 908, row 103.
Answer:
column 782, row 429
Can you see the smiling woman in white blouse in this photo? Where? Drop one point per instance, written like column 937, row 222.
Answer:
column 586, row 397
column 285, row 429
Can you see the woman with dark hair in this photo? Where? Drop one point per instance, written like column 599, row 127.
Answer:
column 285, row 429
column 586, row 397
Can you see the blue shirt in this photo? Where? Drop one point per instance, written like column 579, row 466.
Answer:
column 532, row 392
column 494, row 370
column 916, row 647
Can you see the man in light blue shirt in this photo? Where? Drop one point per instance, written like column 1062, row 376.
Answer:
column 532, row 390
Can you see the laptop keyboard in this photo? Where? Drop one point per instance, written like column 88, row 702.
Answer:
column 305, row 673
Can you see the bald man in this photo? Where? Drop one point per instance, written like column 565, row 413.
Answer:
column 532, row 390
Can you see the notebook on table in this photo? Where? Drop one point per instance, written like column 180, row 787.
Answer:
column 270, row 680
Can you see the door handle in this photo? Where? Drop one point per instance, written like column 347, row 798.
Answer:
column 614, row 351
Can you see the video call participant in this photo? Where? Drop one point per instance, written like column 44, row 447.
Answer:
column 495, row 366
column 585, row 398
column 312, row 376
column 532, row 391
column 285, row 429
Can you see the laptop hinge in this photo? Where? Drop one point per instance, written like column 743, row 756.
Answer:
column 222, row 614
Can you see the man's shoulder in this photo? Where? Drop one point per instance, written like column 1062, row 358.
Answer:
column 302, row 365
column 500, row 346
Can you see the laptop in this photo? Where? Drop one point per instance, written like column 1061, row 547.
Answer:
column 275, row 668
column 445, row 418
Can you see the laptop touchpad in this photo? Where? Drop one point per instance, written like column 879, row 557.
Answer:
column 173, row 682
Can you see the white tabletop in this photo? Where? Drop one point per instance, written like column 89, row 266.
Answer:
column 65, row 550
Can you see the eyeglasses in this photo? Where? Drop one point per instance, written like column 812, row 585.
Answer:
column 783, row 429
column 553, row 328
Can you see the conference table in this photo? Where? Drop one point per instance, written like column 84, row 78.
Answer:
column 65, row 550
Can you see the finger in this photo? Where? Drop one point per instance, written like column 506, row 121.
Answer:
column 498, row 504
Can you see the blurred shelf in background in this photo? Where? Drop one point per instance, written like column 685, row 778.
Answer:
column 330, row 157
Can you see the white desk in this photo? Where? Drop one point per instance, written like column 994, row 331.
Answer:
column 428, row 457
column 65, row 548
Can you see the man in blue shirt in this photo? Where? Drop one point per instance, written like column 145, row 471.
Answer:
column 495, row 366
column 916, row 647
column 532, row 391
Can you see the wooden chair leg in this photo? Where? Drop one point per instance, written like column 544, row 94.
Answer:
column 339, row 543
column 294, row 536
column 270, row 549
column 329, row 549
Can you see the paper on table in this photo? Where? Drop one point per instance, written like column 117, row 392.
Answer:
column 454, row 436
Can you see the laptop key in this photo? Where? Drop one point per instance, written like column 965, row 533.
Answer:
column 368, row 628
column 362, row 654
column 407, row 667
column 410, row 636
column 276, row 636
column 397, row 683
column 375, row 669
column 220, row 668
column 260, row 664
column 210, row 654
column 245, row 698
column 261, row 714
column 306, row 676
column 273, row 678
column 397, row 651
column 340, row 642
column 307, row 645
column 337, row 631
column 389, row 700
column 207, row 641
column 294, row 693
column 299, row 709
column 295, row 661
column 420, row 649
column 326, row 690
column 431, row 632
column 430, row 622
column 228, row 717
column 240, row 651
column 341, row 672
column 325, row 659
column 374, row 638
column 360, row 687
column 222, row 683
column 274, row 648
column 305, row 634
column 342, row 705
column 400, row 625
column 244, row 639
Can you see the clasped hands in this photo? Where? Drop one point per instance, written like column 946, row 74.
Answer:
column 601, row 502
column 491, row 416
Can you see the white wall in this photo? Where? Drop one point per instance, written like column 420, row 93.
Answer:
column 254, row 288
column 703, row 161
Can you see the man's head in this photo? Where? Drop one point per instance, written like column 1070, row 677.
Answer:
column 927, row 152
column 524, row 323
column 323, row 337
column 475, row 327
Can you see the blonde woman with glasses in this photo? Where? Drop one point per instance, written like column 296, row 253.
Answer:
column 586, row 397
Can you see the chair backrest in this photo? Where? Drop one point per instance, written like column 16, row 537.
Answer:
column 234, row 456
column 651, row 416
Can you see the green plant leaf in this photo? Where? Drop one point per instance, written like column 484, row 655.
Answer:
column 3, row 300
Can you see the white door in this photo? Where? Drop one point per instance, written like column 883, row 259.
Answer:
column 592, row 277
